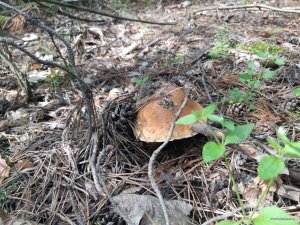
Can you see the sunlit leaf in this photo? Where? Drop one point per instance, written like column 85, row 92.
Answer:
column 239, row 134
column 292, row 149
column 216, row 118
column 281, row 133
column 279, row 62
column 229, row 125
column 297, row 91
column 268, row 74
column 274, row 216
column 188, row 119
column 261, row 54
column 209, row 109
column 228, row 222
column 274, row 144
column 270, row 167
column 212, row 151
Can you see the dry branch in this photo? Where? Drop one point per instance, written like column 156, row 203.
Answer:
column 254, row 6
column 155, row 154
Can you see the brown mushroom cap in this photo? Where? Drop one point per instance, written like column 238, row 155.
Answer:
column 155, row 117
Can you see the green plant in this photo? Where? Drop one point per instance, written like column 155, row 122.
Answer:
column 252, row 80
column 121, row 4
column 297, row 91
column 269, row 167
column 55, row 78
column 179, row 58
column 221, row 45
column 260, row 46
column 140, row 82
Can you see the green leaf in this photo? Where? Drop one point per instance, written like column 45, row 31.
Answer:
column 261, row 54
column 274, row 216
column 297, row 91
column 239, row 134
column 216, row 118
column 229, row 125
column 212, row 151
column 292, row 149
column 268, row 74
column 281, row 133
column 279, row 62
column 209, row 109
column 228, row 222
column 245, row 76
column 274, row 144
column 270, row 167
column 188, row 119
column 250, row 64
column 254, row 84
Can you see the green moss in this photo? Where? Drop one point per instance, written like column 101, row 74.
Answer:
column 271, row 49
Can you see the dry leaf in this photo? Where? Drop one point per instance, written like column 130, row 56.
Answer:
column 146, row 209
column 23, row 164
column 16, row 24
column 4, row 169
column 6, row 219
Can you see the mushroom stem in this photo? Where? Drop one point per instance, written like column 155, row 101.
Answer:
column 205, row 129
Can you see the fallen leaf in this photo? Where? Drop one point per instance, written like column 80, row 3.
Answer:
column 4, row 170
column 146, row 209
column 23, row 164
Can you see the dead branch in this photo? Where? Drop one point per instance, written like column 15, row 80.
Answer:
column 254, row 6
column 104, row 13
column 155, row 154
column 21, row 77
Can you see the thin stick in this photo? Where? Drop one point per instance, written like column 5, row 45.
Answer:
column 256, row 6
column 105, row 13
column 21, row 77
column 225, row 216
column 99, row 179
column 155, row 154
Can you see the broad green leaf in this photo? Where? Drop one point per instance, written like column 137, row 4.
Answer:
column 274, row 144
column 261, row 54
column 216, row 118
column 292, row 149
column 229, row 125
column 281, row 133
column 239, row 134
column 255, row 84
column 188, row 119
column 212, row 151
column 279, row 62
column 228, row 222
column 270, row 167
column 297, row 91
column 274, row 216
column 245, row 76
column 268, row 74
column 250, row 64
column 208, row 110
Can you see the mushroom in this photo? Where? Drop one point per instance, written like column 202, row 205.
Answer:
column 155, row 117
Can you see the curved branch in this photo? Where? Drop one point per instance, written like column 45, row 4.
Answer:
column 257, row 6
column 103, row 13
column 44, row 27
column 155, row 154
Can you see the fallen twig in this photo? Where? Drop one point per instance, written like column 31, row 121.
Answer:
column 104, row 13
column 255, row 6
column 225, row 216
column 155, row 154
column 99, row 179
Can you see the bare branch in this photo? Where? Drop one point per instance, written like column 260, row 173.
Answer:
column 254, row 6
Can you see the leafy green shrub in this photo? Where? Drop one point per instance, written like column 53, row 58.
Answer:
column 269, row 166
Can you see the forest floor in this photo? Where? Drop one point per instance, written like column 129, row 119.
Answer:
column 247, row 60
